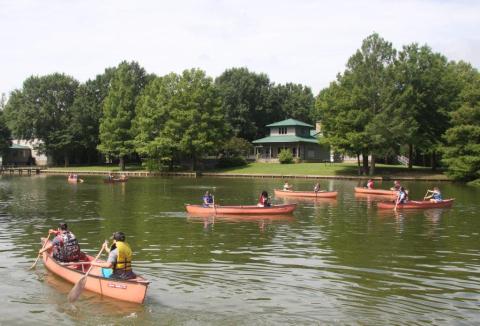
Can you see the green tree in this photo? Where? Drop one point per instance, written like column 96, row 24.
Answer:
column 247, row 102
column 116, row 137
column 42, row 110
column 87, row 111
column 5, row 136
column 294, row 101
column 420, row 100
column 179, row 115
column 462, row 149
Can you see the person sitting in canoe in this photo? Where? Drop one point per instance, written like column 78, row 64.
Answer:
column 264, row 200
column 65, row 245
column 123, row 177
column 287, row 186
column 402, row 196
column 434, row 195
column 396, row 186
column 370, row 184
column 207, row 200
column 119, row 259
column 316, row 188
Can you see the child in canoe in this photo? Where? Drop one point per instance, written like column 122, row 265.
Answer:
column 370, row 184
column 434, row 195
column 264, row 200
column 402, row 196
column 316, row 188
column 287, row 186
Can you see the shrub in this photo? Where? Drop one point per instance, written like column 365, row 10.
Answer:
column 227, row 162
column 285, row 156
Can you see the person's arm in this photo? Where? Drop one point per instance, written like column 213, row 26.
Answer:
column 46, row 248
column 112, row 257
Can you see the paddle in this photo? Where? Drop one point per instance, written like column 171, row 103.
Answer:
column 214, row 207
column 426, row 194
column 36, row 260
column 80, row 285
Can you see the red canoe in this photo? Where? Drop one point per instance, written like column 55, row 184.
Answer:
column 312, row 194
column 133, row 290
column 252, row 210
column 375, row 191
column 417, row 204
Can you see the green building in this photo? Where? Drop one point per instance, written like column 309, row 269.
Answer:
column 297, row 136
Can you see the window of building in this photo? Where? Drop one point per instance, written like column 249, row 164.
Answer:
column 282, row 131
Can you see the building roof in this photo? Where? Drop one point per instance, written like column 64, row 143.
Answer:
column 18, row 146
column 286, row 139
column 288, row 123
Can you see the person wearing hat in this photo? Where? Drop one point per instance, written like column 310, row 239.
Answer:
column 119, row 258
column 65, row 245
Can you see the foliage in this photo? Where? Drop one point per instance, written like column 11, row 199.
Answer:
column 87, row 111
column 42, row 110
column 237, row 147
column 231, row 161
column 285, row 156
column 5, row 136
column 116, row 136
column 294, row 101
column 179, row 115
column 462, row 148
column 247, row 102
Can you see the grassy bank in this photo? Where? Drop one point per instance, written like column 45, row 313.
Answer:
column 336, row 169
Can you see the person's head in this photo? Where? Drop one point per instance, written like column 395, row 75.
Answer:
column 118, row 236
column 207, row 193
column 396, row 182
column 63, row 226
column 402, row 189
column 370, row 180
column 436, row 189
column 264, row 194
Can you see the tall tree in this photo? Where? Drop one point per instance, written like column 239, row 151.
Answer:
column 462, row 149
column 294, row 101
column 87, row 111
column 42, row 110
column 247, row 102
column 116, row 137
column 180, row 115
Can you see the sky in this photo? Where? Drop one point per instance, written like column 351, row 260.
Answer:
column 298, row 41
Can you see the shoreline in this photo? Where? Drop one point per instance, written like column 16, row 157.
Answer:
column 437, row 178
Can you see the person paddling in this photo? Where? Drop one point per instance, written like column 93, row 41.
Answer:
column 264, row 200
column 287, row 186
column 316, row 188
column 402, row 196
column 370, row 184
column 207, row 200
column 119, row 259
column 396, row 186
column 434, row 195
column 65, row 245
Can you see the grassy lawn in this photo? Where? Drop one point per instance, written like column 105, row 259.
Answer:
column 327, row 169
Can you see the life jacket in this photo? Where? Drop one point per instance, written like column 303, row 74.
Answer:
column 68, row 249
column 437, row 196
column 124, row 257
column 370, row 185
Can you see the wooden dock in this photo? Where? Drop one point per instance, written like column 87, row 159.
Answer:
column 20, row 170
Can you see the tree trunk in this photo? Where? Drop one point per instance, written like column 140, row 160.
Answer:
column 410, row 156
column 194, row 162
column 434, row 161
column 372, row 165
column 358, row 164
column 121, row 163
column 365, row 163
column 65, row 160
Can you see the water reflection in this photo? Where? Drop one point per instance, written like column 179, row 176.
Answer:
column 209, row 220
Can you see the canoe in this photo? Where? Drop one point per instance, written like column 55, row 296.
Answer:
column 375, row 191
column 133, row 290
column 239, row 218
column 417, row 204
column 115, row 180
column 251, row 209
column 313, row 194
column 73, row 180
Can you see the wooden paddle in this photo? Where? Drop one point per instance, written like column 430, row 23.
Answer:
column 38, row 257
column 426, row 194
column 214, row 207
column 80, row 285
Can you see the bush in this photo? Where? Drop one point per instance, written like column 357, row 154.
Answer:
column 285, row 156
column 228, row 162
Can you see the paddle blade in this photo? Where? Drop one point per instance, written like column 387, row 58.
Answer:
column 77, row 289
column 34, row 264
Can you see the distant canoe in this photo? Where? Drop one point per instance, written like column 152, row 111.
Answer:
column 115, row 180
column 133, row 290
column 311, row 194
column 417, row 204
column 382, row 192
column 238, row 210
column 74, row 180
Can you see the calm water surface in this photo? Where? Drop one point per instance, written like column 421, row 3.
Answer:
column 333, row 261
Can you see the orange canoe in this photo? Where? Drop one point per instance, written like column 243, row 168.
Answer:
column 375, row 191
column 417, row 204
column 133, row 290
column 73, row 180
column 312, row 194
column 235, row 210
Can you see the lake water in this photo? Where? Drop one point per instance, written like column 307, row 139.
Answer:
column 337, row 261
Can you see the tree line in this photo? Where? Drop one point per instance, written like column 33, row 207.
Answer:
column 387, row 102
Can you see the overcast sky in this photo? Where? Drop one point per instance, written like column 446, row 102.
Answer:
column 300, row 41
